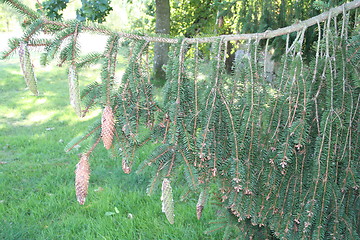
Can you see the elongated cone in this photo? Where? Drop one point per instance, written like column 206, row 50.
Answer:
column 82, row 176
column 107, row 127
column 200, row 204
column 167, row 200
column 125, row 166
column 74, row 90
column 27, row 68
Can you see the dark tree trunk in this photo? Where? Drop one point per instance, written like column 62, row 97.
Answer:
column 161, row 49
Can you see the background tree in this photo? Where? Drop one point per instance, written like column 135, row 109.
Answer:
column 96, row 11
column 161, row 50
column 92, row 10
column 6, row 16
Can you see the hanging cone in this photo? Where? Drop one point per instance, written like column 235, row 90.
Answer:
column 125, row 166
column 167, row 200
column 27, row 68
column 74, row 90
column 200, row 204
column 107, row 127
column 82, row 176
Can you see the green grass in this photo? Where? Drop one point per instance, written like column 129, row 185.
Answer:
column 37, row 196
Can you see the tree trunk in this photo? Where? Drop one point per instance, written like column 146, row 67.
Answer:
column 161, row 49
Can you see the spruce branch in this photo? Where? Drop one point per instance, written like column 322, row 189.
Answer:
column 33, row 29
column 108, row 71
column 280, row 155
column 190, row 172
column 80, row 139
column 22, row 9
column 265, row 35
column 74, row 43
column 13, row 45
column 89, row 59
column 89, row 105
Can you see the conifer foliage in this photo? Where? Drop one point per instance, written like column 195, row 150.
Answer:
column 280, row 157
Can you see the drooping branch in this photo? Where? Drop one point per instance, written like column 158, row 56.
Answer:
column 295, row 27
column 264, row 35
column 272, row 145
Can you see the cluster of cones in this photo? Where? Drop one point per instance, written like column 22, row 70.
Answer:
column 82, row 172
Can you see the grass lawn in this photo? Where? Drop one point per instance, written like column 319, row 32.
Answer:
column 37, row 196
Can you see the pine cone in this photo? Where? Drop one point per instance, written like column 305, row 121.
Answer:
column 82, row 176
column 27, row 68
column 107, row 127
column 74, row 90
column 200, row 204
column 167, row 200
column 199, row 209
